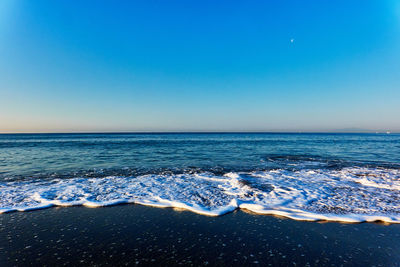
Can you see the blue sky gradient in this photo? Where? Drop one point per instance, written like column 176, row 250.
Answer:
column 199, row 65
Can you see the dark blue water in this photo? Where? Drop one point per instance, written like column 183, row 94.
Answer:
column 58, row 155
column 302, row 176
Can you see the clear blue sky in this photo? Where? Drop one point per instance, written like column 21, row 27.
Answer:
column 199, row 65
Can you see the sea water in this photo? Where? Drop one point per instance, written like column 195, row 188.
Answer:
column 305, row 176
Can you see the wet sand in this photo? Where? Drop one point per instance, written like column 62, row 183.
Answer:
column 138, row 235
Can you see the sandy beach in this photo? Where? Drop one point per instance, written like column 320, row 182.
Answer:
column 140, row 235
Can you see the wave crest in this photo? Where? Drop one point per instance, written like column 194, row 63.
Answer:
column 350, row 194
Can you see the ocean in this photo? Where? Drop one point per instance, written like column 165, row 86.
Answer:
column 304, row 176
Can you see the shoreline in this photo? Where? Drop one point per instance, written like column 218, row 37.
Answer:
column 235, row 205
column 141, row 235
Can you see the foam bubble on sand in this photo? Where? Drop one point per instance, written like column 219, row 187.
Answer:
column 348, row 195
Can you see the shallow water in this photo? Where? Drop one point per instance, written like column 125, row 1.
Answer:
column 341, row 177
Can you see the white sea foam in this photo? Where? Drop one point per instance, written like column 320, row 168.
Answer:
column 348, row 195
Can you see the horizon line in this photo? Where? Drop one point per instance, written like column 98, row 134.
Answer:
column 209, row 132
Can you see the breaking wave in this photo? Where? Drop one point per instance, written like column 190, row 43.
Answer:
column 349, row 194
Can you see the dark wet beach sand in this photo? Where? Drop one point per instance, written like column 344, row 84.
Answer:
column 138, row 235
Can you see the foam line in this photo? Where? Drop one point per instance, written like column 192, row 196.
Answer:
column 346, row 195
